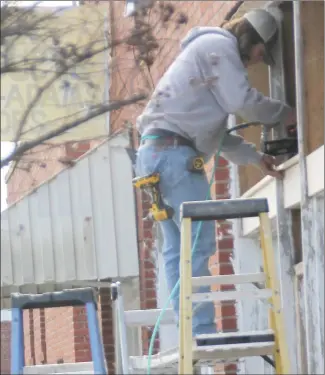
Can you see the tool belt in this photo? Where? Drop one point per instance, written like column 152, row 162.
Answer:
column 165, row 138
column 161, row 137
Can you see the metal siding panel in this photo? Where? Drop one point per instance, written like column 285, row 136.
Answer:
column 80, row 225
column 86, row 215
column 46, row 235
column 58, row 232
column 36, row 233
column 13, row 216
column 61, row 189
column 125, row 216
column 103, row 210
column 6, row 259
column 25, row 241
column 77, row 224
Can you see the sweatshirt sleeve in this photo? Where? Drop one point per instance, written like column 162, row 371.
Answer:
column 236, row 150
column 220, row 60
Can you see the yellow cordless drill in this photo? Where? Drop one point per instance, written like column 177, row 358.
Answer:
column 150, row 184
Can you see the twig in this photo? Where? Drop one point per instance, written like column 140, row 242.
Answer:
column 20, row 150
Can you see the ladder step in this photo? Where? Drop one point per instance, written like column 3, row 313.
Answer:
column 235, row 338
column 233, row 351
column 224, row 209
column 61, row 368
column 148, row 317
column 229, row 279
column 212, row 353
column 232, row 295
column 68, row 297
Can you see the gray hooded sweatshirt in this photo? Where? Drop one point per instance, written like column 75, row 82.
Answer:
column 206, row 83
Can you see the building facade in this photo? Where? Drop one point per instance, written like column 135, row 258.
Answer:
column 42, row 343
column 237, row 242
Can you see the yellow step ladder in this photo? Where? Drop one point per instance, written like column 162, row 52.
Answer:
column 230, row 345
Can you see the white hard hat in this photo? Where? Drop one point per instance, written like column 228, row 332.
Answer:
column 266, row 26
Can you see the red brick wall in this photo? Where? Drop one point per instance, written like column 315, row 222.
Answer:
column 106, row 319
column 43, row 162
column 60, row 335
column 5, row 347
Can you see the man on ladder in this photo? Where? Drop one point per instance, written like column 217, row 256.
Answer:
column 185, row 122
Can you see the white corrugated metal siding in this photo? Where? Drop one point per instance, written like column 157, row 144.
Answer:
column 80, row 225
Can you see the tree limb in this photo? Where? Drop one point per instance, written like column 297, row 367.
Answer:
column 24, row 147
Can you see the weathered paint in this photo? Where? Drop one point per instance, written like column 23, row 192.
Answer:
column 314, row 286
column 318, row 238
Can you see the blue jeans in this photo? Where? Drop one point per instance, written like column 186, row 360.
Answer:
column 178, row 185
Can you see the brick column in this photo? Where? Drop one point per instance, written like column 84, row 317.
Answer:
column 81, row 336
column 107, row 328
column 5, row 347
column 73, row 150
column 148, row 297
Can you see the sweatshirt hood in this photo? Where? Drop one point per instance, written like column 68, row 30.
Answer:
column 201, row 30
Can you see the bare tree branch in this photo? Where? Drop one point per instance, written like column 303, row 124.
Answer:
column 24, row 147
column 35, row 45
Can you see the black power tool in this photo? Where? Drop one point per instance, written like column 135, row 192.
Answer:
column 282, row 146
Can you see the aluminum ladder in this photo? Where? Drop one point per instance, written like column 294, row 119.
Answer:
column 230, row 345
column 73, row 297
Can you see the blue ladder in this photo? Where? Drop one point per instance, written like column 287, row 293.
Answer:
column 73, row 297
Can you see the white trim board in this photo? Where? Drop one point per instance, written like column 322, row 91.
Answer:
column 292, row 194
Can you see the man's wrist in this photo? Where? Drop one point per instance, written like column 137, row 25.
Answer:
column 259, row 157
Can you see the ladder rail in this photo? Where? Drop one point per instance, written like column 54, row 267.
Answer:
column 228, row 279
column 185, row 300
column 276, row 319
column 138, row 318
column 117, row 297
column 17, row 336
column 69, row 297
column 232, row 295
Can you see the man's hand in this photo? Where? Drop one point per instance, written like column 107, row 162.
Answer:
column 267, row 165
